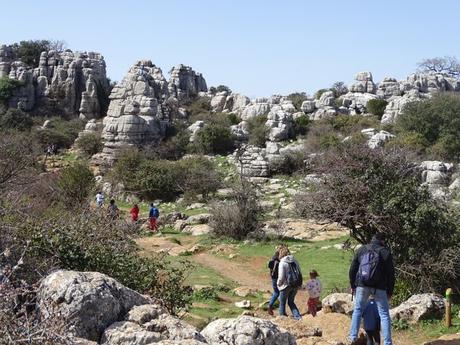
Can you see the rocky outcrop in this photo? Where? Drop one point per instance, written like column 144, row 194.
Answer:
column 185, row 83
column 363, row 83
column 74, row 83
column 88, row 302
column 419, row 307
column 389, row 87
column 356, row 102
column 194, row 128
column 252, row 161
column 376, row 138
column 246, row 330
column 279, row 123
column 338, row 303
column 136, row 114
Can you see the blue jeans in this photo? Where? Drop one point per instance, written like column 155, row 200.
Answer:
column 275, row 295
column 381, row 299
column 288, row 294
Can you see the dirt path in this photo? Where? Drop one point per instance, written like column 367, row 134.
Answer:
column 241, row 273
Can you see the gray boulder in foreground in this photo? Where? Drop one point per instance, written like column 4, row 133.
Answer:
column 419, row 307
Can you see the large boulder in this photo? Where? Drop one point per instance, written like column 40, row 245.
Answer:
column 88, row 302
column 246, row 330
column 252, row 161
column 185, row 83
column 419, row 307
column 389, row 87
column 279, row 123
column 255, row 109
column 338, row 303
column 149, row 324
column 363, row 83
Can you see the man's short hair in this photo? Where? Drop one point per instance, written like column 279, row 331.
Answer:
column 380, row 236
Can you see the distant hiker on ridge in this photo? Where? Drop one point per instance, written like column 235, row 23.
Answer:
column 289, row 281
column 372, row 273
column 153, row 216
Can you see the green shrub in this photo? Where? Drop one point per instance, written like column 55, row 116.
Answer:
column 297, row 99
column 199, row 177
column 61, row 133
column 126, row 167
column 409, row 140
column 90, row 143
column 301, row 125
column 201, row 105
column 215, row 137
column 29, row 51
column 347, row 124
column 437, row 121
column 258, row 131
column 329, row 140
column 75, row 184
column 7, row 87
column 233, row 119
column 16, row 119
column 289, row 163
column 172, row 148
column 222, row 88
column 376, row 107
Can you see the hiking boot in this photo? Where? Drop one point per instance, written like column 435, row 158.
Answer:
column 350, row 342
column 270, row 311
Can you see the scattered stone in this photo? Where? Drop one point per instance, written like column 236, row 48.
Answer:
column 338, row 303
column 197, row 230
column 244, row 291
column 246, row 330
column 419, row 307
column 245, row 304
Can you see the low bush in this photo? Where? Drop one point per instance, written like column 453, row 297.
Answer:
column 376, row 107
column 258, row 131
column 90, row 143
column 289, row 163
column 171, row 148
column 301, row 125
column 215, row 137
column 75, row 184
column 7, row 88
column 346, row 124
column 297, row 99
column 199, row 177
column 320, row 92
column 201, row 105
column 61, row 133
column 16, row 119
column 239, row 215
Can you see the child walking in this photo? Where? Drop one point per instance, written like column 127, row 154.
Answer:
column 372, row 322
column 314, row 292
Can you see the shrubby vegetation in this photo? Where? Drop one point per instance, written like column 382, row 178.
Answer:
column 7, row 87
column 239, row 215
column 376, row 107
column 60, row 132
column 163, row 179
column 289, row 163
column 258, row 132
column 90, row 143
column 29, row 51
column 75, row 184
column 301, row 125
column 297, row 99
column 433, row 124
column 16, row 119
column 339, row 88
column 372, row 191
column 215, row 137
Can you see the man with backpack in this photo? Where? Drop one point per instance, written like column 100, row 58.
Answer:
column 289, row 281
column 153, row 216
column 372, row 273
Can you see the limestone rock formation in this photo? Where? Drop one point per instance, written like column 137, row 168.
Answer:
column 252, row 161
column 136, row 113
column 363, row 83
column 246, row 330
column 376, row 138
column 356, row 102
column 419, row 307
column 308, row 106
column 185, row 83
column 279, row 123
column 88, row 302
column 338, row 303
column 194, row 128
column 69, row 82
column 389, row 87
column 255, row 109
column 218, row 101
column 235, row 103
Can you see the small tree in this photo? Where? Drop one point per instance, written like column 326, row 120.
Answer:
column 371, row 191
column 214, row 138
column 7, row 87
column 222, row 88
column 75, row 184
column 29, row 51
column 258, row 131
column 90, row 143
column 297, row 99
column 16, row 119
column 447, row 65
column 339, row 88
column 199, row 177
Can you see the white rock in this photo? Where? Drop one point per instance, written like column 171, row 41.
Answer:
column 419, row 307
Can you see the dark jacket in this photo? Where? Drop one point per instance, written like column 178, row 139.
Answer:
column 273, row 266
column 371, row 317
column 385, row 273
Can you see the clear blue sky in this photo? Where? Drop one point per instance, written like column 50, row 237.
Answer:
column 256, row 47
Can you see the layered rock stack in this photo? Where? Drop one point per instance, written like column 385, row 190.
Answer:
column 185, row 83
column 68, row 82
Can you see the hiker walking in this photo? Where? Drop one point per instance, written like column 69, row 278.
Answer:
column 134, row 212
column 99, row 199
column 314, row 292
column 153, row 216
column 273, row 265
column 289, row 281
column 372, row 273
column 113, row 211
column 372, row 322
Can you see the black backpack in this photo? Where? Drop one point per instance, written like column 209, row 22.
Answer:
column 294, row 276
column 369, row 266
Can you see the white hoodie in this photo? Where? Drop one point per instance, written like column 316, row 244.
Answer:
column 283, row 269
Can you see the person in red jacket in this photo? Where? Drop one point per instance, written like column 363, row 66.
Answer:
column 134, row 213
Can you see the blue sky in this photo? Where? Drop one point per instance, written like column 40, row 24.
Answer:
column 255, row 47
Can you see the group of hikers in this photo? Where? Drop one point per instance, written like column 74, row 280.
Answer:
column 113, row 211
column 372, row 280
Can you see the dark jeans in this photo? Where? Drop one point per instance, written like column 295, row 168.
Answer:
column 288, row 295
column 373, row 337
column 275, row 295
